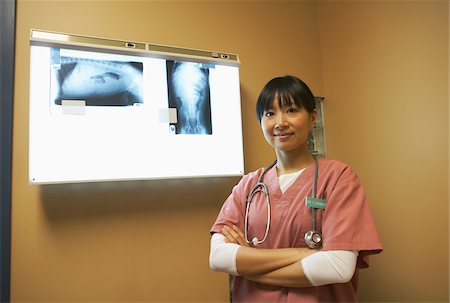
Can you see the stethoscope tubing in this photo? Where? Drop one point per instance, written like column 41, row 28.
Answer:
column 259, row 187
column 314, row 195
column 262, row 187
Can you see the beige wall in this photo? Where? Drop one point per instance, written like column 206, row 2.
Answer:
column 383, row 68
column 385, row 71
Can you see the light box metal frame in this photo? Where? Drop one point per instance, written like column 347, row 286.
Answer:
column 126, row 47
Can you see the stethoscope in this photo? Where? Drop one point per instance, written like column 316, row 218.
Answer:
column 313, row 238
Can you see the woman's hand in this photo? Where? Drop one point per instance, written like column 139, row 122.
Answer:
column 234, row 235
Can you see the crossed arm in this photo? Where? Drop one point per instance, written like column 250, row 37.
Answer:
column 286, row 267
column 278, row 267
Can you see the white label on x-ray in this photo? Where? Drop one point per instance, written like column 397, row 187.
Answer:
column 168, row 115
column 73, row 107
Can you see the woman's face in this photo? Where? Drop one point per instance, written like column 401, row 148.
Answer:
column 286, row 129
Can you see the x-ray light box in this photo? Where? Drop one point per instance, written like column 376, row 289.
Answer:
column 104, row 110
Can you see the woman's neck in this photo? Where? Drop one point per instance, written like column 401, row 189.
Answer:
column 292, row 162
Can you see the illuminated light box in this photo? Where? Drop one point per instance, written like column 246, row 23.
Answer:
column 104, row 110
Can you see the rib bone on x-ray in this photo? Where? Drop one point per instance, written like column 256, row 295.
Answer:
column 98, row 82
column 189, row 92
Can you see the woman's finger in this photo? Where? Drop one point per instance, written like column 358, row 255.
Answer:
column 229, row 238
column 235, row 235
column 240, row 234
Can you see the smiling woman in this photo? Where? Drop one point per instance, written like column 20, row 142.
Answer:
column 295, row 260
column 286, row 111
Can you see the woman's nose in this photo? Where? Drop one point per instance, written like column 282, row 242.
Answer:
column 280, row 120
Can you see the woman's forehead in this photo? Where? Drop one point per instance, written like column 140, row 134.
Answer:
column 284, row 101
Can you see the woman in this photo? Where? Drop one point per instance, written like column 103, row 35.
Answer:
column 272, row 263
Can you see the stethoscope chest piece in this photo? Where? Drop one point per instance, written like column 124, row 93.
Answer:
column 313, row 239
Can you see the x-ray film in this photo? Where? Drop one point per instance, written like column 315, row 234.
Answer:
column 99, row 82
column 188, row 90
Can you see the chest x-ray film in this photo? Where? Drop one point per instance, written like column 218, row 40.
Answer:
column 105, row 110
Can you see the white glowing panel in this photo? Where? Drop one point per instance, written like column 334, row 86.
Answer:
column 98, row 116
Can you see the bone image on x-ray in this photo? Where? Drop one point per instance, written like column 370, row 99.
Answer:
column 98, row 82
column 189, row 93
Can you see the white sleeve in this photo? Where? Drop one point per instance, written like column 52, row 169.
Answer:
column 222, row 256
column 330, row 267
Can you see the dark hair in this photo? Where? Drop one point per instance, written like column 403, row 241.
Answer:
column 287, row 90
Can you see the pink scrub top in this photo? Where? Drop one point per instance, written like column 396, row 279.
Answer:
column 346, row 224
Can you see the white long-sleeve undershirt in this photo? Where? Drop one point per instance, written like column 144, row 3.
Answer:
column 330, row 267
column 222, row 256
column 321, row 268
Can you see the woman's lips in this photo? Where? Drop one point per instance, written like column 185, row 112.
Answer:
column 282, row 135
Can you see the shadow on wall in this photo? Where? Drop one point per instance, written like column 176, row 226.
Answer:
column 67, row 202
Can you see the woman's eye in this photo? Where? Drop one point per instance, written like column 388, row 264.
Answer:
column 268, row 114
column 292, row 110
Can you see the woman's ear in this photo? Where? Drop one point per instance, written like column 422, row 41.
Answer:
column 312, row 118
